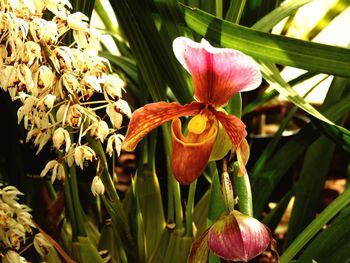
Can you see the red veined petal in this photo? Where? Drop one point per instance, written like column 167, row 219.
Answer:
column 199, row 249
column 217, row 73
column 146, row 118
column 191, row 153
column 234, row 127
column 243, row 152
column 238, row 237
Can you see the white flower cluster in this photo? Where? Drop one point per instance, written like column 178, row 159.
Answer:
column 15, row 219
column 56, row 82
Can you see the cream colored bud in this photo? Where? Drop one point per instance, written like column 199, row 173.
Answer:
column 57, row 170
column 61, row 139
column 62, row 59
column 13, row 257
column 124, row 107
column 70, row 83
column 82, row 153
column 98, row 129
column 97, row 187
column 31, row 53
column 77, row 21
column 113, row 86
column 114, row 115
column 114, row 143
column 10, row 194
column 41, row 244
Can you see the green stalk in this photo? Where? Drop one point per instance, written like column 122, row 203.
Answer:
column 69, row 206
column 174, row 187
column 189, row 209
column 235, row 11
column 115, row 207
column 79, row 214
column 243, row 192
column 105, row 176
column 316, row 225
column 50, row 189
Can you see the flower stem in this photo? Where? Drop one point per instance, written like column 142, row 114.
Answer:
column 112, row 203
column 174, row 187
column 70, row 208
column 189, row 209
column 79, row 213
column 227, row 189
column 243, row 192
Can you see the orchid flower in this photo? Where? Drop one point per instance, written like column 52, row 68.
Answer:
column 218, row 74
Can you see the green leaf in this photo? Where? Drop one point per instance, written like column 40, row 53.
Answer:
column 235, row 11
column 84, row 251
column 269, row 47
column 216, row 202
column 285, row 9
column 278, row 165
column 332, row 244
column 273, row 218
column 152, row 50
column 316, row 225
column 311, row 180
column 150, row 202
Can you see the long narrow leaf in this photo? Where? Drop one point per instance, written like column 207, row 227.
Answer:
column 323, row 218
column 269, row 47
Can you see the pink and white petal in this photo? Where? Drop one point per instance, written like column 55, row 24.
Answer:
column 217, row 73
column 147, row 118
column 234, row 127
column 191, row 153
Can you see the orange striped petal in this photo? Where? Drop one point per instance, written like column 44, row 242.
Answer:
column 217, row 73
column 234, row 127
column 243, row 152
column 147, row 118
column 191, row 153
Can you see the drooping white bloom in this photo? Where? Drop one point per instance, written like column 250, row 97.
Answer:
column 61, row 139
column 114, row 115
column 98, row 129
column 83, row 153
column 97, row 187
column 57, row 170
column 41, row 244
column 113, row 86
column 13, row 257
column 114, row 143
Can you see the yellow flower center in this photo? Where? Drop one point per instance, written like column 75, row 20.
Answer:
column 197, row 124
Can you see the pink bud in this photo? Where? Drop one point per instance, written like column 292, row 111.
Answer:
column 238, row 237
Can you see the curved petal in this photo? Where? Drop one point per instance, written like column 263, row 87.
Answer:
column 243, row 152
column 234, row 127
column 191, row 153
column 238, row 237
column 145, row 119
column 217, row 73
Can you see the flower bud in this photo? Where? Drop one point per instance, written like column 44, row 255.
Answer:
column 13, row 257
column 238, row 237
column 41, row 244
column 82, row 153
column 97, row 187
column 114, row 143
column 61, row 139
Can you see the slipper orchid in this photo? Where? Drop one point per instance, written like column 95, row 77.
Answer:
column 217, row 73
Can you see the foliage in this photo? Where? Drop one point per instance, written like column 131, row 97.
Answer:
column 157, row 219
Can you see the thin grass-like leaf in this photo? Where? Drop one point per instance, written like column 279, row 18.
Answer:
column 269, row 47
column 332, row 244
column 316, row 225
